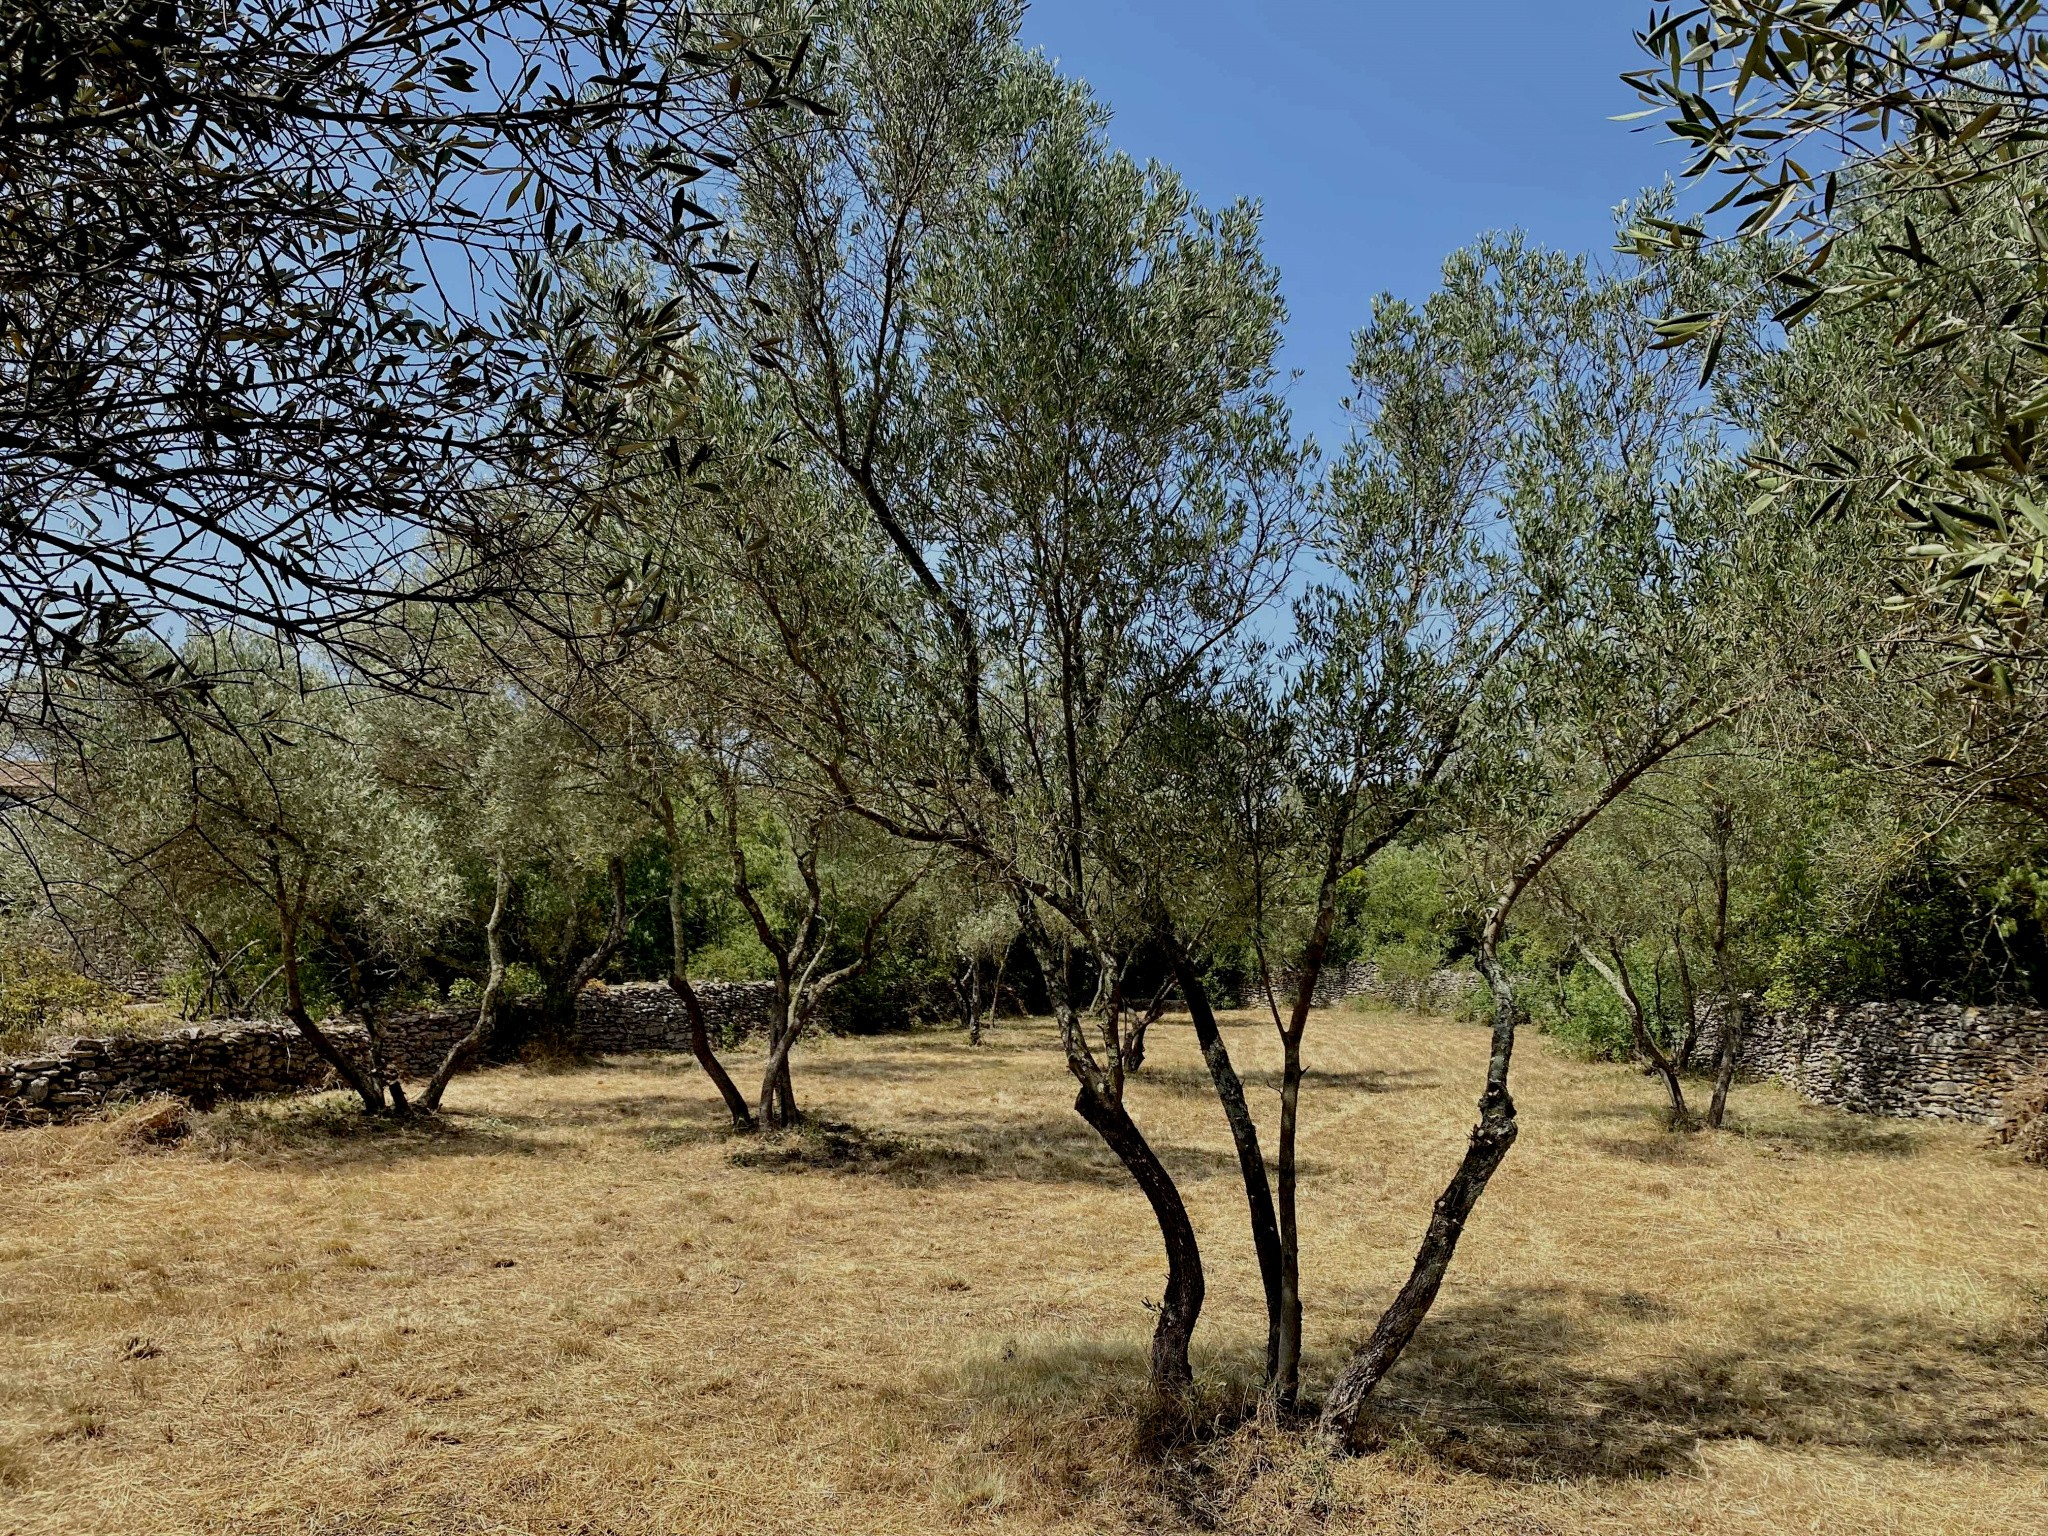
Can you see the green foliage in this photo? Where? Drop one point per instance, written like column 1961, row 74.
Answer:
column 37, row 990
column 1401, row 912
column 1581, row 1012
column 1935, row 929
column 1896, row 143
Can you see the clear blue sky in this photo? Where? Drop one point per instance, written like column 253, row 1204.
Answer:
column 1378, row 136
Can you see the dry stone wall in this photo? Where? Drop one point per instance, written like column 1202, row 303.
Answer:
column 207, row 1063
column 1442, row 991
column 645, row 1016
column 204, row 1064
column 1939, row 1061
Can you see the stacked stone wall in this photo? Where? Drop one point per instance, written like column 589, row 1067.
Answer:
column 205, row 1064
column 1939, row 1061
column 1442, row 991
column 646, row 1016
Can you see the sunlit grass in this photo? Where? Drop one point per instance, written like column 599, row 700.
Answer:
column 584, row 1306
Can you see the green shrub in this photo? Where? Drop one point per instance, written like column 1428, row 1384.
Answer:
column 37, row 989
column 1582, row 1013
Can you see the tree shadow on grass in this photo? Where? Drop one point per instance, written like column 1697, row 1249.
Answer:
column 1647, row 1137
column 937, row 1148
column 1521, row 1387
column 683, row 1112
column 1196, row 1083
column 1660, row 1148
column 820, row 1145
column 1075, row 1417
column 331, row 1130
column 1830, row 1133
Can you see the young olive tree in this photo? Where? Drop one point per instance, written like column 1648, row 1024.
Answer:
column 250, row 806
column 504, row 774
column 800, row 869
column 1518, row 395
column 1615, row 907
column 1025, row 385
column 1654, row 585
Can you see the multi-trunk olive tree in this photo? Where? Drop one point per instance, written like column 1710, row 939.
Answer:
column 1516, row 468
column 249, row 815
column 1024, row 387
column 808, row 876
column 1425, row 595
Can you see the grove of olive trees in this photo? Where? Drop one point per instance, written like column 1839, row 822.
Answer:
column 502, row 501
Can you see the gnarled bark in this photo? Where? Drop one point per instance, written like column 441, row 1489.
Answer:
column 1494, row 1135
column 1490, row 1141
column 1180, row 1307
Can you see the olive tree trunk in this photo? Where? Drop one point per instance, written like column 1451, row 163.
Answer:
column 1488, row 1145
column 1494, row 1134
column 290, row 900
column 1733, row 1021
column 1244, row 1136
column 1180, row 1307
column 1623, row 986
column 471, row 1045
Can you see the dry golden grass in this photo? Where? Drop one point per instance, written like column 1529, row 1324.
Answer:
column 584, row 1309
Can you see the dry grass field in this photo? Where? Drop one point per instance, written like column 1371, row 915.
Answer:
column 585, row 1309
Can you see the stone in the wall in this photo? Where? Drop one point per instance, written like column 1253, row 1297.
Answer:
column 646, row 1016
column 1442, row 991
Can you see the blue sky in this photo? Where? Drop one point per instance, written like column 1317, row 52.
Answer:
column 1378, row 136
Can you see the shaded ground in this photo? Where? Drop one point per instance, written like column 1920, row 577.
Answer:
column 583, row 1307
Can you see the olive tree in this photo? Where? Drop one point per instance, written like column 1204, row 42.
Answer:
column 503, row 768
column 248, row 812
column 1023, row 386
column 1425, row 596
column 1655, row 583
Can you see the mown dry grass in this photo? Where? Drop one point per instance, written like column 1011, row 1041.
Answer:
column 582, row 1308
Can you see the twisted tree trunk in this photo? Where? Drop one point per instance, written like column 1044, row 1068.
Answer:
column 777, row 1109
column 1489, row 1144
column 1244, row 1135
column 700, row 1047
column 291, row 906
column 471, row 1045
column 1173, row 1374
column 1494, row 1135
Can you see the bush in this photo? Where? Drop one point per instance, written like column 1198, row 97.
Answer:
column 1398, row 911
column 37, row 989
column 1582, row 1012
